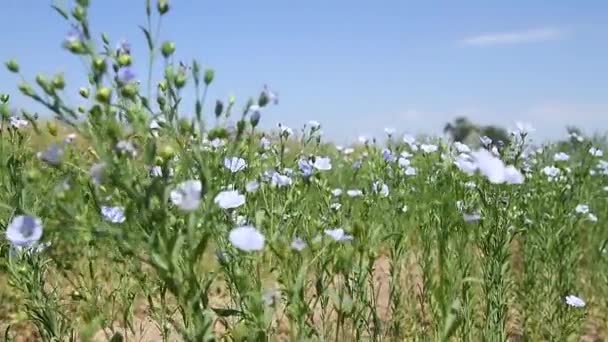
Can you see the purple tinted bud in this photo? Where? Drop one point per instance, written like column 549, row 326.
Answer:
column 125, row 75
column 387, row 154
column 74, row 36
column 124, row 47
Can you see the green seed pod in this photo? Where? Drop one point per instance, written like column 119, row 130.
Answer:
column 162, row 85
column 42, row 81
column 169, row 73
column 4, row 98
column 254, row 119
column 167, row 49
column 219, row 108
column 51, row 126
column 83, row 3
column 180, row 79
column 96, row 112
column 166, row 152
column 79, row 13
column 104, row 95
column 99, row 65
column 162, row 6
column 263, row 100
column 161, row 101
column 26, row 89
column 58, row 82
column 76, row 47
column 209, row 75
column 12, row 66
column 129, row 91
column 44, row 84
column 124, row 59
column 185, row 127
column 84, row 92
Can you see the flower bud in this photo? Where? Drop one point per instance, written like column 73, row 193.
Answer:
column 12, row 66
column 180, row 79
column 79, row 13
column 99, row 65
column 76, row 47
column 162, row 6
column 254, row 119
column 167, row 49
column 26, row 89
column 42, row 81
column 44, row 84
column 209, row 75
column 83, row 3
column 169, row 72
column 4, row 98
column 166, row 152
column 219, row 108
column 162, row 85
column 129, row 90
column 124, row 59
column 84, row 92
column 81, row 109
column 231, row 100
column 58, row 82
column 161, row 101
column 96, row 112
column 263, row 100
column 51, row 126
column 105, row 39
column 104, row 95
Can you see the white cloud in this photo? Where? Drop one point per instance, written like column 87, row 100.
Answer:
column 515, row 37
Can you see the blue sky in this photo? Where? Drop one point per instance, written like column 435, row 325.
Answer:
column 359, row 66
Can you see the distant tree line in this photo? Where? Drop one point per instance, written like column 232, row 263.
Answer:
column 465, row 131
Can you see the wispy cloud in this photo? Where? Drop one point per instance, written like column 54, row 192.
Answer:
column 515, row 37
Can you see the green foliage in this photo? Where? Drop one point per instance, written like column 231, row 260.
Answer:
column 231, row 233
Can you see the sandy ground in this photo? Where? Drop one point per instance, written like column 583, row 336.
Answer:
column 147, row 330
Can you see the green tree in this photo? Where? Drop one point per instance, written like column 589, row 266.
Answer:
column 460, row 129
column 496, row 133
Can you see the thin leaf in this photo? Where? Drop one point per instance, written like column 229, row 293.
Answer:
column 61, row 12
column 148, row 38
